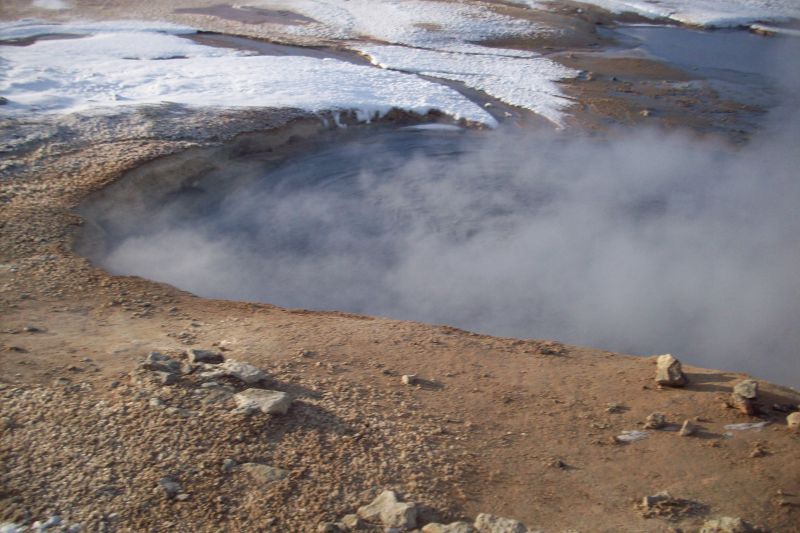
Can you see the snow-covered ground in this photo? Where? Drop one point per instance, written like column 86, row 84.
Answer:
column 131, row 62
column 708, row 13
column 124, row 64
column 521, row 81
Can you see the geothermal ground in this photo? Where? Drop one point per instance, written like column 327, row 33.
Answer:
column 98, row 433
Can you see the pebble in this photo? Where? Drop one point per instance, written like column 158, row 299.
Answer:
column 688, row 429
column 408, row 379
column 655, row 421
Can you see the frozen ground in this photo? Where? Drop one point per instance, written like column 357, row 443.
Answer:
column 709, row 13
column 132, row 64
column 118, row 64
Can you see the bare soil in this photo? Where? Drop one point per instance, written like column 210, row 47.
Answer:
column 518, row 428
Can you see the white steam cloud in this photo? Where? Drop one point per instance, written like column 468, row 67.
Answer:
column 643, row 243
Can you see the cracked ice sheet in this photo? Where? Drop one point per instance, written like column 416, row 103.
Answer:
column 709, row 13
column 411, row 22
column 527, row 80
column 46, row 77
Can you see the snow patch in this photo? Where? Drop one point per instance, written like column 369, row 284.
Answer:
column 52, row 5
column 126, row 67
column 23, row 29
column 708, row 13
column 524, row 81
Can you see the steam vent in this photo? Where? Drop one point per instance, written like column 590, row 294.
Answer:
column 426, row 266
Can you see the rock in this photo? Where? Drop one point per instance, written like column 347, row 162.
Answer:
column 352, row 522
column 205, row 356
column 409, row 379
column 390, row 511
column 744, row 396
column 268, row 402
column 726, row 524
column 454, row 527
column 170, row 486
column 161, row 363
column 3, row 101
column 793, row 421
column 9, row 527
column 166, row 378
column 329, row 527
column 688, row 429
column 486, row 523
column 261, row 473
column 228, row 466
column 669, row 372
column 244, row 372
column 648, row 502
column 747, row 389
column 655, row 421
column 156, row 402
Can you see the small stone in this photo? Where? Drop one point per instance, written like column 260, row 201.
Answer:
column 166, row 378
column 161, row 363
column 33, row 329
column 669, row 372
column 793, row 421
column 267, row 401
column 486, row 523
column 687, row 429
column 352, row 522
column 758, row 451
column 205, row 356
column 648, row 502
column 726, row 524
column 228, row 466
column 454, row 527
column 329, row 527
column 408, row 379
column 244, row 372
column 156, row 402
column 3, row 101
column 744, row 396
column 645, row 112
column 170, row 486
column 182, row 497
column 261, row 473
column 390, row 511
column 655, row 421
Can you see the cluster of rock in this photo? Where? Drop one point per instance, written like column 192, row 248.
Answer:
column 744, row 397
column 210, row 366
column 389, row 514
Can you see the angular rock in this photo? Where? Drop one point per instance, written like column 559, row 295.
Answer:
column 727, row 524
column 648, row 502
column 390, row 511
column 793, row 421
column 170, row 486
column 205, row 356
column 669, row 372
column 166, row 378
column 161, row 363
column 330, row 527
column 454, row 527
column 261, row 473
column 744, row 396
column 408, row 379
column 269, row 402
column 244, row 372
column 655, row 421
column 352, row 522
column 486, row 523
column 688, row 429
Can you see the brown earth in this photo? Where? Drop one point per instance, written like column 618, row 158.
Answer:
column 519, row 428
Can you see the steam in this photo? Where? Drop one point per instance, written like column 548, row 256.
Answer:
column 646, row 242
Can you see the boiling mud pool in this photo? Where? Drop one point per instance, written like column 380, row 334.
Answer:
column 647, row 244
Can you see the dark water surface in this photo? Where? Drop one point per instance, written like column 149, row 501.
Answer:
column 649, row 243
